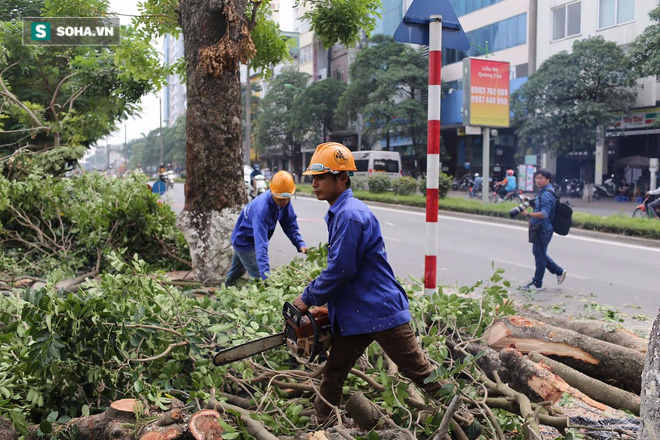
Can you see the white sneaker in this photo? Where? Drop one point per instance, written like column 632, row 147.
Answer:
column 561, row 277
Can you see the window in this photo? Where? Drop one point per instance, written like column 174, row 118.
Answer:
column 462, row 7
column 497, row 36
column 306, row 53
column 566, row 21
column 613, row 12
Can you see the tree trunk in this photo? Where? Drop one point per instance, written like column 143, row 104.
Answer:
column 604, row 331
column 216, row 39
column 650, row 411
column 597, row 358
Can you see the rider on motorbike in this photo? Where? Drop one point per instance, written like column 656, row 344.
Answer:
column 507, row 185
column 478, row 181
column 654, row 205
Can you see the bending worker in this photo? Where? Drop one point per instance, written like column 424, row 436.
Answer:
column 255, row 227
column 365, row 301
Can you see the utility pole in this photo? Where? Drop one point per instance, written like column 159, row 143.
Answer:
column 248, row 118
column 160, row 120
column 125, row 146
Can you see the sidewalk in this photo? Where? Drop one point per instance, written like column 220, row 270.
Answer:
column 601, row 207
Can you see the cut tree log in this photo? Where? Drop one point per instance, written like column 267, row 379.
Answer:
column 115, row 423
column 605, row 331
column 596, row 358
column 203, row 425
column 536, row 381
column 7, row 431
column 600, row 391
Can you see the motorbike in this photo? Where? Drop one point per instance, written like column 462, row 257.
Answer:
column 607, row 189
column 512, row 196
column 259, row 185
column 474, row 192
column 572, row 187
column 463, row 183
column 643, row 210
column 167, row 178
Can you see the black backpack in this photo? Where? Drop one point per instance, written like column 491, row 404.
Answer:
column 561, row 224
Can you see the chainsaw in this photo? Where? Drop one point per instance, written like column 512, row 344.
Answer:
column 305, row 336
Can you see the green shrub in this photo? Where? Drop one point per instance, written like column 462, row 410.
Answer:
column 404, row 186
column 380, row 184
column 359, row 183
column 60, row 227
column 444, row 184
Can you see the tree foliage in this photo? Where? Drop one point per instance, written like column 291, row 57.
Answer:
column 60, row 228
column 571, row 95
column 314, row 109
column 79, row 351
column 645, row 51
column 386, row 79
column 275, row 126
column 69, row 97
column 146, row 150
column 342, row 21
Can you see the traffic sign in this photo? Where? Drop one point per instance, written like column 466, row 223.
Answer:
column 414, row 27
column 159, row 187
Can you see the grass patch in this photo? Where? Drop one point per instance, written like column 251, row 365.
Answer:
column 615, row 224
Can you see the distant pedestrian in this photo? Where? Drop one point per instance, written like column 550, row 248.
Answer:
column 540, row 231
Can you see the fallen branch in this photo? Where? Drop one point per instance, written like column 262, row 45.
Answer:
column 254, row 427
column 447, row 418
column 593, row 388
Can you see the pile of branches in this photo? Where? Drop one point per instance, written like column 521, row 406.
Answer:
column 63, row 227
column 129, row 356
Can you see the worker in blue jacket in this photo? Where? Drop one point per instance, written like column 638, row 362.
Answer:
column 365, row 301
column 255, row 227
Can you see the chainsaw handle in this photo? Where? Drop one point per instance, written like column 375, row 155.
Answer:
column 291, row 313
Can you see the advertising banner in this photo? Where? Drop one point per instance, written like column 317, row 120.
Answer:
column 485, row 92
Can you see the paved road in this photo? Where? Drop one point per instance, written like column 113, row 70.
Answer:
column 603, row 273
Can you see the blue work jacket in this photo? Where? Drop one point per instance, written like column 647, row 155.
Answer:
column 256, row 225
column 359, row 286
column 545, row 203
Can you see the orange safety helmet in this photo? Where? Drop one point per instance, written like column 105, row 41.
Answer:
column 331, row 157
column 282, row 185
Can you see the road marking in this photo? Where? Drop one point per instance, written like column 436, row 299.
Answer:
column 389, row 224
column 391, row 239
column 526, row 266
column 515, row 227
column 311, row 220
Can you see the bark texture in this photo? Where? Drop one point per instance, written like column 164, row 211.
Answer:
column 596, row 358
column 216, row 40
column 650, row 411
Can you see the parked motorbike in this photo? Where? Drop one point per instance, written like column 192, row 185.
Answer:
column 607, row 189
column 642, row 210
column 463, row 183
column 572, row 187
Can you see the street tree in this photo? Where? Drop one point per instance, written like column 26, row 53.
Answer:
column 565, row 104
column 386, row 80
column 314, row 109
column 146, row 150
column 645, row 61
column 218, row 37
column 276, row 129
column 58, row 101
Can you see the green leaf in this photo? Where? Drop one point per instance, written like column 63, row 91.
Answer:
column 45, row 427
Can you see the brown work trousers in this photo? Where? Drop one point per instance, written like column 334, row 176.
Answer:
column 399, row 343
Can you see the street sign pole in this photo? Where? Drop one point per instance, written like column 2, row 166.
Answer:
column 433, row 154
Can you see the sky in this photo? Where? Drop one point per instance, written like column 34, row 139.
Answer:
column 149, row 118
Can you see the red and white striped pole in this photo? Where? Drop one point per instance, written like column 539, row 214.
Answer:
column 433, row 154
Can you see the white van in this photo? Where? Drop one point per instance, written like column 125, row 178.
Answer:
column 372, row 162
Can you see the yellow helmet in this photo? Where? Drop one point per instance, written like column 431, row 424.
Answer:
column 282, row 185
column 331, row 157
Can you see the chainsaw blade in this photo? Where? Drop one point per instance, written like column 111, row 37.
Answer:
column 232, row 354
